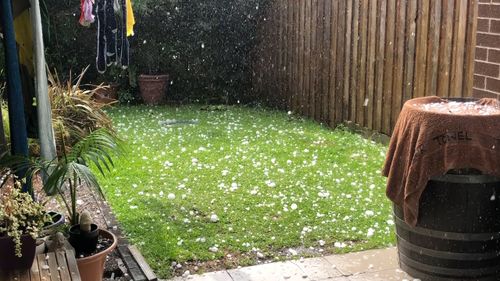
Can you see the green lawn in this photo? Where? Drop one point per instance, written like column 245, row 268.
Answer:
column 244, row 185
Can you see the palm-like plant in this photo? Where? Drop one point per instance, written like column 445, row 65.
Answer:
column 75, row 113
column 65, row 175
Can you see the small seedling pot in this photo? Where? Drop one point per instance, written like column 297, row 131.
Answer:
column 51, row 227
column 84, row 242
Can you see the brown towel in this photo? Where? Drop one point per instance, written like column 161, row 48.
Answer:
column 426, row 144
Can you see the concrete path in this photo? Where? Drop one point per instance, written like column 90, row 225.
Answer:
column 370, row 265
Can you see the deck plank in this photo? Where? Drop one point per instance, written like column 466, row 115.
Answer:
column 63, row 266
column 35, row 271
column 72, row 266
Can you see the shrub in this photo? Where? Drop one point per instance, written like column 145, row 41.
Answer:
column 204, row 45
column 74, row 113
column 20, row 215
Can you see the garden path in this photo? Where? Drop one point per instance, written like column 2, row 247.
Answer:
column 369, row 265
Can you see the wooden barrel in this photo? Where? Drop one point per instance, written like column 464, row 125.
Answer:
column 457, row 236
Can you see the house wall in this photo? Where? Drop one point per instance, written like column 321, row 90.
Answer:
column 487, row 61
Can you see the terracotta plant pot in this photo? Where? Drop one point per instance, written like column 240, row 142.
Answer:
column 110, row 92
column 8, row 259
column 92, row 268
column 153, row 88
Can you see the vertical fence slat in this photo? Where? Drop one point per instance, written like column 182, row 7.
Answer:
column 361, row 107
column 379, row 80
column 347, row 60
column 301, row 56
column 340, row 74
column 307, row 59
column 458, row 48
column 399, row 46
column 278, row 53
column 470, row 52
column 370, row 71
column 388, row 68
column 295, row 57
column 420, row 67
column 289, row 51
column 445, row 44
column 314, row 61
column 322, row 94
column 354, row 60
column 327, row 76
column 411, row 23
column 433, row 48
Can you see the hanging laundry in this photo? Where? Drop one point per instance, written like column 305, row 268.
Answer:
column 124, row 50
column 101, row 36
column 130, row 18
column 112, row 30
column 122, row 46
column 87, row 17
column 120, row 23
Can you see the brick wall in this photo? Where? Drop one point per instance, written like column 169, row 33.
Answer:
column 487, row 65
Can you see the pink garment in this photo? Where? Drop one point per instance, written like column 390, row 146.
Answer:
column 86, row 17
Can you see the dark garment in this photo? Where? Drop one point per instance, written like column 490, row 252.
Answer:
column 110, row 32
column 101, row 36
column 112, row 42
column 124, row 48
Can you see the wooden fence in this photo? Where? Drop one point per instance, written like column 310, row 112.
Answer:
column 360, row 60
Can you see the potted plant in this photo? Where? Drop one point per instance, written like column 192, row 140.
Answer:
column 107, row 90
column 152, row 86
column 21, row 220
column 64, row 177
column 56, row 219
column 148, row 53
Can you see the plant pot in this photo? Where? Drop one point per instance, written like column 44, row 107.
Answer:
column 109, row 91
column 153, row 88
column 8, row 259
column 50, row 227
column 92, row 268
column 84, row 242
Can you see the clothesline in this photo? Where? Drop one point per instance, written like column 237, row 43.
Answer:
column 115, row 23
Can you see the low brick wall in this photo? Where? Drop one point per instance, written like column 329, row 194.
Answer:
column 487, row 64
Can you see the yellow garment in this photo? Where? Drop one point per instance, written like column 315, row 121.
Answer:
column 130, row 18
column 24, row 39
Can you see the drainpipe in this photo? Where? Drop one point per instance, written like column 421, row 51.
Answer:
column 45, row 130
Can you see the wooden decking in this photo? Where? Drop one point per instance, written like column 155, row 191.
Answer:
column 58, row 266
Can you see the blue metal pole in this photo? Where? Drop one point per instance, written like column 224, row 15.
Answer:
column 18, row 134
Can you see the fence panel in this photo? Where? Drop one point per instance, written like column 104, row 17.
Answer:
column 360, row 60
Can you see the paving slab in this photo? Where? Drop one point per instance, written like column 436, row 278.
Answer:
column 317, row 269
column 367, row 261
column 279, row 271
column 373, row 265
column 211, row 276
column 384, row 275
